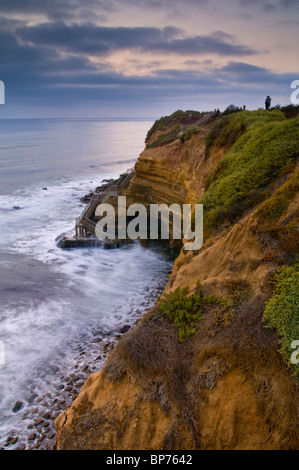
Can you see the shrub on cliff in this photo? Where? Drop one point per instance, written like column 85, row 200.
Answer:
column 281, row 312
column 178, row 117
column 276, row 205
column 268, row 145
column 167, row 138
column 223, row 135
column 229, row 128
column 184, row 311
column 290, row 111
column 188, row 133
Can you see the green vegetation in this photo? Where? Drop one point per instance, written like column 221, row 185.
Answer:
column 223, row 134
column 184, row 311
column 282, row 310
column 178, row 117
column 275, row 206
column 119, row 178
column 167, row 138
column 290, row 111
column 238, row 292
column 229, row 128
column 188, row 133
column 267, row 145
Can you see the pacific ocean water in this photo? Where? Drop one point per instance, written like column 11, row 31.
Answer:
column 54, row 302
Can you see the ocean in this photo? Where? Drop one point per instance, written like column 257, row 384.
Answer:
column 61, row 311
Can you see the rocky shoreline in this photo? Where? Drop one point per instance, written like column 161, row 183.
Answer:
column 38, row 414
column 40, row 410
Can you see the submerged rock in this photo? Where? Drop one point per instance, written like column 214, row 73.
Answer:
column 124, row 329
column 18, row 406
column 87, row 197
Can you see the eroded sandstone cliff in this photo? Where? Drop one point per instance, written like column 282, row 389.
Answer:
column 227, row 386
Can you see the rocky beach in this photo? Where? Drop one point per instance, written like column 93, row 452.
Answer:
column 42, row 410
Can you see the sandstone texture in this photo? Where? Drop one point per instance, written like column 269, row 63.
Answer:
column 227, row 387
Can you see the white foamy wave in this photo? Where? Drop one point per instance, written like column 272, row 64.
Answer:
column 60, row 309
column 33, row 218
column 56, row 301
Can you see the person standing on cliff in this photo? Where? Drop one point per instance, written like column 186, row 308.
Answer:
column 268, row 102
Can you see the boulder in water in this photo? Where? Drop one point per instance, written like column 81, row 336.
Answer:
column 18, row 406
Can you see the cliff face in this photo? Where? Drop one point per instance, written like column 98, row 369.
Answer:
column 169, row 174
column 227, row 386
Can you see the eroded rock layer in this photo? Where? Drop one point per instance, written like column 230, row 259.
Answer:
column 227, row 387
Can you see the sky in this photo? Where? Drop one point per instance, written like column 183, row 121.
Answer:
column 145, row 58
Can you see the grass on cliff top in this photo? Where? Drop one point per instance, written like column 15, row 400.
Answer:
column 290, row 111
column 172, row 135
column 228, row 128
column 167, row 138
column 188, row 133
column 268, row 144
column 178, row 117
column 282, row 313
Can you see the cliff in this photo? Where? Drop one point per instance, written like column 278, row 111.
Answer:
column 209, row 366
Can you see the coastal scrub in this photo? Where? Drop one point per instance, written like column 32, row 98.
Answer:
column 259, row 156
column 281, row 312
column 184, row 311
column 275, row 206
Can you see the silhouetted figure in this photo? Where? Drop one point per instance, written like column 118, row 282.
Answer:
column 268, row 102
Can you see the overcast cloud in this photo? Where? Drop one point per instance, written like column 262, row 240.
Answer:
column 144, row 57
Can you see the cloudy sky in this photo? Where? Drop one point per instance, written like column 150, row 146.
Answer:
column 133, row 58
